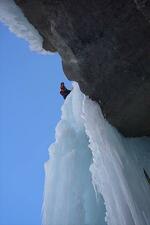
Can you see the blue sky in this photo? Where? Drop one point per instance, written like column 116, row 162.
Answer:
column 29, row 111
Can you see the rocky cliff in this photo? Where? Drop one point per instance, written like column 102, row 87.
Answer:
column 105, row 47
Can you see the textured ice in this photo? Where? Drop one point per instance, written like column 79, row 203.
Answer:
column 12, row 16
column 116, row 170
column 69, row 197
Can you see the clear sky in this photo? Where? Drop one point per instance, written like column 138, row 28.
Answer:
column 29, row 111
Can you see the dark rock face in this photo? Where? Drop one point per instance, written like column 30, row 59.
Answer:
column 105, row 47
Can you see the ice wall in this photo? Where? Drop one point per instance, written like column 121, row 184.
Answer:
column 69, row 197
column 116, row 170
column 12, row 16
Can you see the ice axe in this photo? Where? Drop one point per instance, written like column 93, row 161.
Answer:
column 146, row 175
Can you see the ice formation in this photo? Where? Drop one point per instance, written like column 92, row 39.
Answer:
column 94, row 175
column 117, row 169
column 12, row 16
column 89, row 154
column 69, row 197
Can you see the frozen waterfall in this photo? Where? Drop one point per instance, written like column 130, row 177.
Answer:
column 94, row 174
column 69, row 197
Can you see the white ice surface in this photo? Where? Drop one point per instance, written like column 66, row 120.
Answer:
column 12, row 16
column 117, row 169
column 116, row 165
column 69, row 197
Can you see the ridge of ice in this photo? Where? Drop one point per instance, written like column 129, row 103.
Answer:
column 12, row 16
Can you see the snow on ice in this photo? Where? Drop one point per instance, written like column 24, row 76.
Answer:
column 89, row 159
column 12, row 16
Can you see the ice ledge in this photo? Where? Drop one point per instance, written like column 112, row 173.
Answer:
column 12, row 16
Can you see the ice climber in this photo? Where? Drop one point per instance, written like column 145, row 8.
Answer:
column 63, row 90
